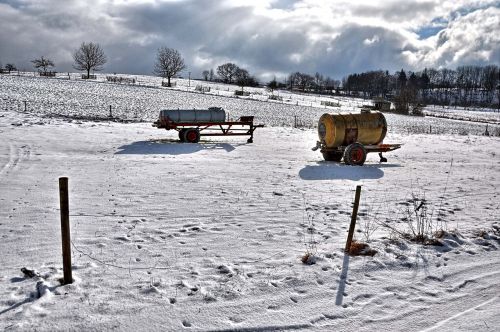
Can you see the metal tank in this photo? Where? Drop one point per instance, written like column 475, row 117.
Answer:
column 337, row 130
column 212, row 114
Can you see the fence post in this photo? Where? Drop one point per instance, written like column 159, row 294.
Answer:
column 110, row 113
column 353, row 219
column 25, row 105
column 65, row 232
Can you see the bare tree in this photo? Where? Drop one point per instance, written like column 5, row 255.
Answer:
column 227, row 72
column 293, row 80
column 205, row 75
column 243, row 78
column 89, row 57
column 211, row 75
column 168, row 63
column 272, row 85
column 319, row 82
column 305, row 81
column 10, row 67
column 42, row 63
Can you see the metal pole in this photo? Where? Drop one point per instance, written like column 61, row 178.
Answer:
column 353, row 219
column 65, row 231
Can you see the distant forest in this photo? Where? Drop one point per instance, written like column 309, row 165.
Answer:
column 465, row 86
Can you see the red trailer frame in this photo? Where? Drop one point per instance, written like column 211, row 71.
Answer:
column 355, row 153
column 192, row 131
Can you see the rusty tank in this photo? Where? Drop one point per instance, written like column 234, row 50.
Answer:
column 352, row 136
column 367, row 128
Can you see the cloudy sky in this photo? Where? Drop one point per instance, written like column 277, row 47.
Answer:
column 267, row 37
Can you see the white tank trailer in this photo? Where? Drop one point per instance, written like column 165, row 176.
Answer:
column 192, row 124
column 210, row 115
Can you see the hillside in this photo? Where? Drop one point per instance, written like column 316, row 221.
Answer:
column 171, row 236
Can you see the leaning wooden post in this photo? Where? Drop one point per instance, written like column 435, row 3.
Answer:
column 66, row 239
column 353, row 219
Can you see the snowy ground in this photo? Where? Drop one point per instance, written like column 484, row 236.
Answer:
column 209, row 236
column 170, row 236
column 94, row 99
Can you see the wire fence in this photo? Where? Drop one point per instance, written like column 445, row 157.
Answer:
column 100, row 100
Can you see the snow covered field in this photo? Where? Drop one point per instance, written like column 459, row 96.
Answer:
column 170, row 236
column 77, row 98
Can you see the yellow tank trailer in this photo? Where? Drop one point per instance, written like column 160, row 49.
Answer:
column 352, row 136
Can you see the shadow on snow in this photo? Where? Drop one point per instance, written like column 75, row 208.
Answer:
column 325, row 170
column 172, row 147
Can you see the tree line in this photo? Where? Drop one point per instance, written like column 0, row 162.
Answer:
column 465, row 86
column 89, row 56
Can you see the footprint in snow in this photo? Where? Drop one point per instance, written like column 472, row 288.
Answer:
column 236, row 319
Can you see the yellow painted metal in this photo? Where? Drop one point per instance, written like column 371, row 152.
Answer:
column 336, row 130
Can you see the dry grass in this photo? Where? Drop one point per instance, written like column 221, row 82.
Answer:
column 308, row 258
column 361, row 249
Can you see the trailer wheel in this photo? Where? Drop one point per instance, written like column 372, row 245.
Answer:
column 192, row 135
column 181, row 135
column 355, row 154
column 332, row 156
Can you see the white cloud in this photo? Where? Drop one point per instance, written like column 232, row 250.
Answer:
column 370, row 41
column 334, row 37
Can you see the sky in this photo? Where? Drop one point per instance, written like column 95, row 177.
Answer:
column 267, row 37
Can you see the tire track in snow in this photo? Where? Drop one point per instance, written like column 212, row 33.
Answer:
column 449, row 319
column 11, row 161
column 16, row 156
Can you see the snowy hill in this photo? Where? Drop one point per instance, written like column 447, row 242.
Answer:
column 171, row 236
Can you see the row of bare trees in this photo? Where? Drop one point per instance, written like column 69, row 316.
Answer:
column 317, row 83
column 464, row 86
column 230, row 73
column 89, row 56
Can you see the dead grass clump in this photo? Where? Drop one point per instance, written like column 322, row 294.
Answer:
column 308, row 258
column 361, row 249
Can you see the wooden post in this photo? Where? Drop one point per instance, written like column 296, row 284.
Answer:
column 110, row 113
column 353, row 219
column 66, row 239
column 25, row 105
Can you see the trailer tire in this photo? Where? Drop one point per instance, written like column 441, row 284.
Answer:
column 332, row 156
column 192, row 135
column 181, row 134
column 355, row 154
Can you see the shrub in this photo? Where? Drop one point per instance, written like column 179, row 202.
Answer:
column 120, row 79
column 273, row 97
column 241, row 93
column 329, row 103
